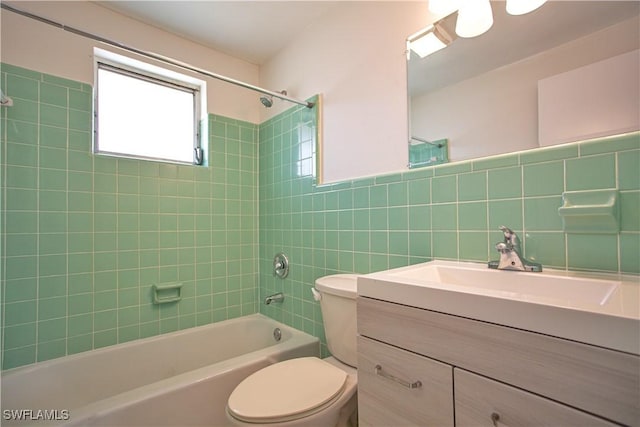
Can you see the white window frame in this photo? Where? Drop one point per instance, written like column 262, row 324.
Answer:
column 136, row 69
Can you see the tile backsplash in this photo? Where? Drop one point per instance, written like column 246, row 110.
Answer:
column 449, row 211
column 84, row 237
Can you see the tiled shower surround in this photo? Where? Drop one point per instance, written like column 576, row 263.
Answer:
column 85, row 236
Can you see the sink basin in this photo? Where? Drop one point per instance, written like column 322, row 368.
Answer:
column 594, row 308
column 511, row 284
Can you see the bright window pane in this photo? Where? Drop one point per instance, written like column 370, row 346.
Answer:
column 141, row 118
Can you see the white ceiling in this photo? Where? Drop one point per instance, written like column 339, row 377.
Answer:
column 254, row 31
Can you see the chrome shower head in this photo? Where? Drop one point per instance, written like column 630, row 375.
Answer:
column 267, row 100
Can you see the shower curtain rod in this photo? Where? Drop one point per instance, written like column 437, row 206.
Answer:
column 156, row 56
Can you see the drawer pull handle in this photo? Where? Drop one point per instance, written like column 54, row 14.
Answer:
column 407, row 384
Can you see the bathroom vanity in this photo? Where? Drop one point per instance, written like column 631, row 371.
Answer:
column 436, row 352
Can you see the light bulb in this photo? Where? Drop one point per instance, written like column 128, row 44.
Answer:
column 475, row 17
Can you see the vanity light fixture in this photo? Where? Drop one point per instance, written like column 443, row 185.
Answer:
column 520, row 7
column 429, row 40
column 475, row 17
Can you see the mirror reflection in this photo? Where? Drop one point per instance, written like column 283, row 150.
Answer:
column 423, row 152
column 497, row 93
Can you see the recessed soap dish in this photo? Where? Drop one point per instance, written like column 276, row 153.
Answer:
column 163, row 294
column 590, row 211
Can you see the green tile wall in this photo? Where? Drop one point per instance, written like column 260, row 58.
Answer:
column 443, row 212
column 84, row 237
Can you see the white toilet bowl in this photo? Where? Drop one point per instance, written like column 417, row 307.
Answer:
column 308, row 391
column 297, row 392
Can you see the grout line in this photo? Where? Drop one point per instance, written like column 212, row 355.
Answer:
column 564, row 188
column 38, row 144
column 616, row 171
column 3, row 222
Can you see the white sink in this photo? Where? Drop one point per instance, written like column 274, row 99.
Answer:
column 512, row 284
column 598, row 309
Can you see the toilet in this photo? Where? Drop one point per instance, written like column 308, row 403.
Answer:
column 308, row 391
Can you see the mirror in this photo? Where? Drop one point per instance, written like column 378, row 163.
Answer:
column 481, row 94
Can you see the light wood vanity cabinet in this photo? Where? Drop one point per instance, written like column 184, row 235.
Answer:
column 480, row 401
column 389, row 393
column 520, row 377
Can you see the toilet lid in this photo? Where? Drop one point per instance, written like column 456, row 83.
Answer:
column 287, row 390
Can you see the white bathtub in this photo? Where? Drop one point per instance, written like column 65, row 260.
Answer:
column 178, row 379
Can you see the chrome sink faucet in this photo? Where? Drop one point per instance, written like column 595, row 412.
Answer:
column 511, row 257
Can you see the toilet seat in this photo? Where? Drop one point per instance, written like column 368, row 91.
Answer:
column 287, row 391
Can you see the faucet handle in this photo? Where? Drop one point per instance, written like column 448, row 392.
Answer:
column 510, row 237
column 507, row 231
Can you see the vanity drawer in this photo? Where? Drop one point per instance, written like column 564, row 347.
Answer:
column 481, row 402
column 385, row 397
column 596, row 380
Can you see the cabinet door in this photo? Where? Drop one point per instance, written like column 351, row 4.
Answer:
column 594, row 379
column 399, row 388
column 481, row 402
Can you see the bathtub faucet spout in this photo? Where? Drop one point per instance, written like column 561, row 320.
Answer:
column 279, row 297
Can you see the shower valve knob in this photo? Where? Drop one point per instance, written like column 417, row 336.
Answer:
column 280, row 265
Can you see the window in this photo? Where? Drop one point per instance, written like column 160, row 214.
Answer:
column 144, row 111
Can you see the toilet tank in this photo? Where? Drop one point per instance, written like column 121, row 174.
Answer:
column 338, row 304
